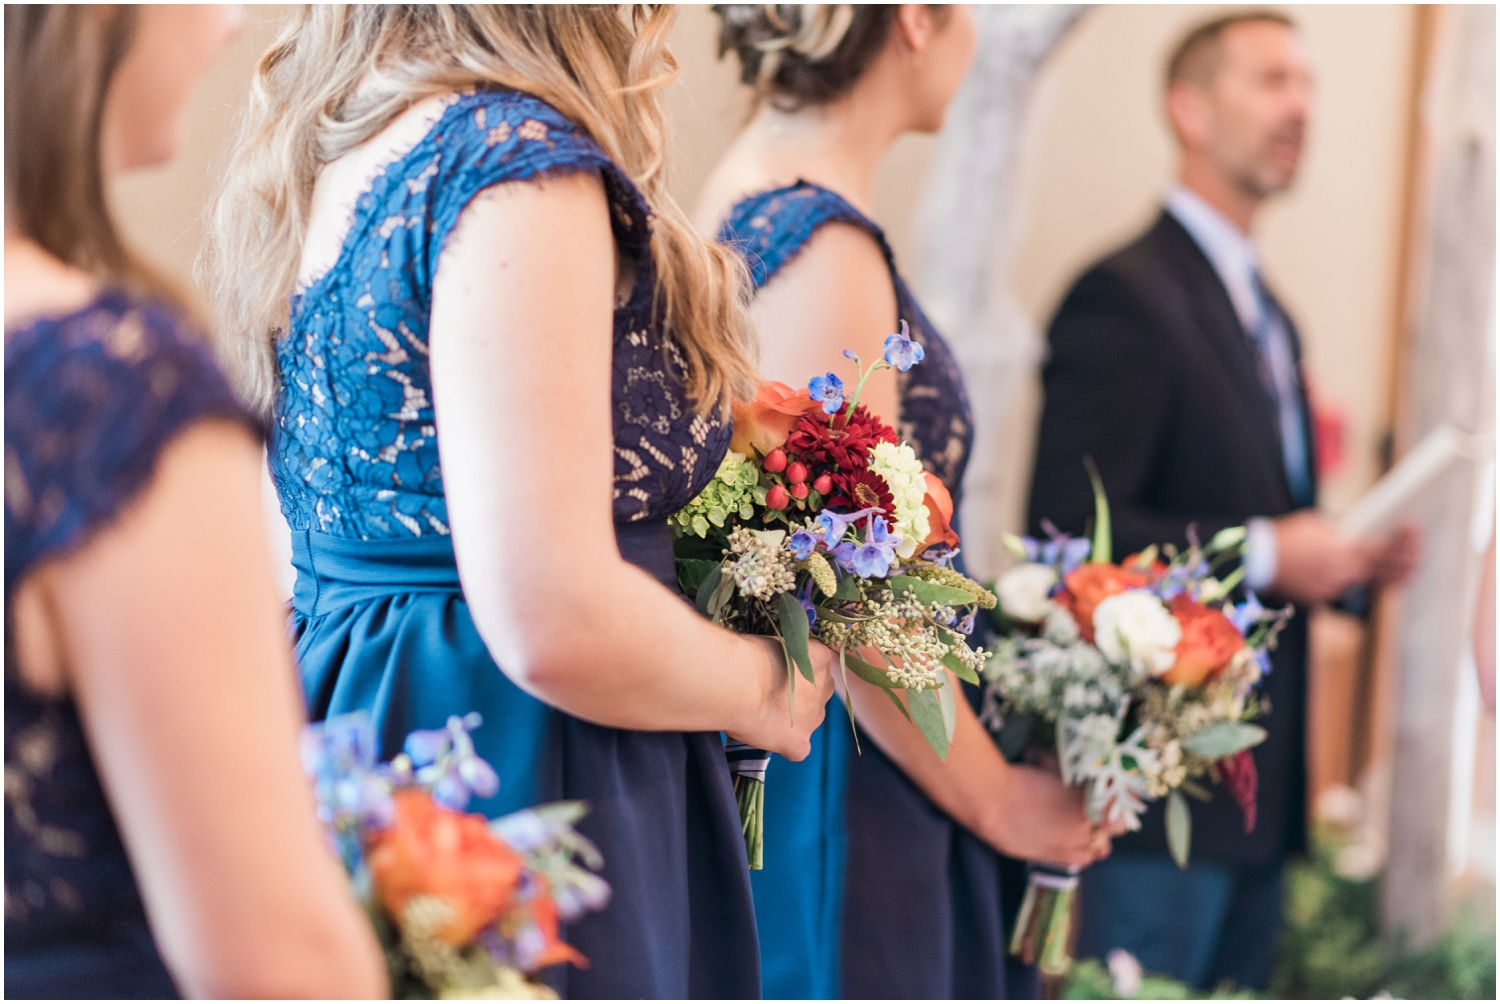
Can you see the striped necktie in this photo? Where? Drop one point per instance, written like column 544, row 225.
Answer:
column 1278, row 371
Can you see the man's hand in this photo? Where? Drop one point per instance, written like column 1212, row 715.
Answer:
column 1315, row 563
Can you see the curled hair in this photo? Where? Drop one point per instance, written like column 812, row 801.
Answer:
column 60, row 60
column 340, row 73
column 797, row 55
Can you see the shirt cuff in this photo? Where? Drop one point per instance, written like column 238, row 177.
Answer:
column 1260, row 553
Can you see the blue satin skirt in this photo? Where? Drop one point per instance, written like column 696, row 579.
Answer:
column 382, row 626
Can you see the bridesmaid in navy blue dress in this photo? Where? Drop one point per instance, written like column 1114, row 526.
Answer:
column 159, row 836
column 484, row 419
column 883, row 876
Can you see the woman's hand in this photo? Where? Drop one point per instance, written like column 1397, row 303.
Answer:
column 1041, row 819
column 773, row 726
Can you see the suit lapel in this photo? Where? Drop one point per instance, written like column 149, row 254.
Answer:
column 1211, row 306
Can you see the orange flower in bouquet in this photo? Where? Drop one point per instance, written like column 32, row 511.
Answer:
column 430, row 850
column 1091, row 584
column 766, row 422
column 939, row 514
column 1209, row 641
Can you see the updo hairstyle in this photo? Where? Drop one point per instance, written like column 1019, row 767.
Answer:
column 797, row 55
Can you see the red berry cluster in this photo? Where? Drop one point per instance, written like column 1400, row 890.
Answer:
column 822, row 455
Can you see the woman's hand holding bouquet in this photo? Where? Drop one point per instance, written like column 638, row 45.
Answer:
column 1139, row 677
column 821, row 526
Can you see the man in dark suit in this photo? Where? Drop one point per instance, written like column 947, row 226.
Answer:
column 1175, row 368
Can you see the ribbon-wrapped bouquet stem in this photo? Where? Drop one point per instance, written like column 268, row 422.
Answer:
column 464, row 907
column 1140, row 677
column 821, row 524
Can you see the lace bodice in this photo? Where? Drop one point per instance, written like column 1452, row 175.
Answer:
column 355, row 443
column 91, row 399
column 770, row 228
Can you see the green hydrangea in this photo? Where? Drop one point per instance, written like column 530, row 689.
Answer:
column 730, row 493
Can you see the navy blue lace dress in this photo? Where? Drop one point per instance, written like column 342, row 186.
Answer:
column 869, row 890
column 91, row 399
column 380, row 618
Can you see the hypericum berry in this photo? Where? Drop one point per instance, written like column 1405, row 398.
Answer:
column 823, row 485
column 796, row 473
column 777, row 498
column 799, row 490
column 776, row 461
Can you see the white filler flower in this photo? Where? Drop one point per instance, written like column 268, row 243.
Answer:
column 1023, row 592
column 1134, row 627
column 897, row 463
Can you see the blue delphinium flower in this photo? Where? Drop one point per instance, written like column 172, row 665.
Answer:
column 805, row 598
column 339, row 755
column 828, row 389
column 802, row 544
column 836, row 524
column 900, row 351
column 873, row 558
column 448, row 766
column 843, row 555
column 1247, row 614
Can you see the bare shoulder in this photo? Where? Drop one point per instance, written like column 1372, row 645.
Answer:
column 37, row 284
column 840, row 268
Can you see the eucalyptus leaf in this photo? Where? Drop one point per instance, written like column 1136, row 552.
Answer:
column 930, row 592
column 794, row 633
column 1016, row 546
column 847, row 589
column 950, row 708
column 964, row 673
column 899, row 706
column 927, row 714
column 707, row 587
column 691, row 572
column 722, row 594
column 1223, row 739
column 870, row 674
column 1179, row 828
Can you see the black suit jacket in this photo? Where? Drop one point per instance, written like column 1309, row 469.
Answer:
column 1152, row 375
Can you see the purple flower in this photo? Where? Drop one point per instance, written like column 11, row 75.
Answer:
column 843, row 555
column 873, row 558
column 900, row 351
column 828, row 389
column 802, row 544
column 339, row 755
column 1245, row 616
column 447, row 765
column 805, row 598
column 836, row 524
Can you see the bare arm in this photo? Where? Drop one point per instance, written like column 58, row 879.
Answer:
column 168, row 633
column 522, row 324
column 835, row 295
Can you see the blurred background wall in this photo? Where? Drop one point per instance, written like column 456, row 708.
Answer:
column 1096, row 157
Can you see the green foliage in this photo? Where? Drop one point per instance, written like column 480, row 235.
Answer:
column 1222, row 739
column 1091, row 981
column 730, row 495
column 1331, row 947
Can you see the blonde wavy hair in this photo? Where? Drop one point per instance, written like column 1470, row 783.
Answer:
column 340, row 73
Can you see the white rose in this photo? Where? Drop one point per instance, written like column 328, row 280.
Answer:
column 1135, row 628
column 1024, row 592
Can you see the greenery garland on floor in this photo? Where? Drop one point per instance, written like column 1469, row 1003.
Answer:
column 1331, row 948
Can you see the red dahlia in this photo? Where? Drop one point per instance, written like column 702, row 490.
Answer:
column 862, row 490
column 847, row 445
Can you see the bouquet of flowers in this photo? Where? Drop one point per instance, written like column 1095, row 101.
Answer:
column 464, row 907
column 1139, row 676
column 821, row 524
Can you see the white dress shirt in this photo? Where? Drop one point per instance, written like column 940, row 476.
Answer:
column 1234, row 257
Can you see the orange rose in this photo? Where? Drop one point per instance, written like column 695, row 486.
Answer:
column 1089, row 585
column 1209, row 641
column 766, row 422
column 431, row 850
column 939, row 514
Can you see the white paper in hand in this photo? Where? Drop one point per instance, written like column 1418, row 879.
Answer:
column 1378, row 508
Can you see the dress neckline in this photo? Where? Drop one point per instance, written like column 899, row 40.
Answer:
column 365, row 203
column 105, row 297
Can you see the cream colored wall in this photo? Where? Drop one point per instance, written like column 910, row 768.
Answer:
column 1098, row 157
